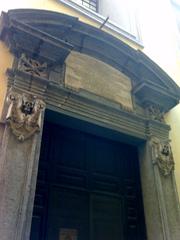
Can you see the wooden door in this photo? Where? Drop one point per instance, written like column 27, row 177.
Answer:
column 88, row 188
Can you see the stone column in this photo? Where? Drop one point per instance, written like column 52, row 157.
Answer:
column 19, row 163
column 161, row 204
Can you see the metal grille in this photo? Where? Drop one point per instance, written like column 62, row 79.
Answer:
column 91, row 4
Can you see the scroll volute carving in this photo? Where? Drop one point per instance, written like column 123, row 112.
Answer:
column 162, row 156
column 24, row 114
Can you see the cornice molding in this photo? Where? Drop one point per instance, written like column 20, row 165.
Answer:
column 24, row 38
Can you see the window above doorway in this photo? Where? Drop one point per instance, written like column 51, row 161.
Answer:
column 91, row 4
column 111, row 15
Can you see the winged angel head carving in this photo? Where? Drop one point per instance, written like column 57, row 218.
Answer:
column 163, row 156
column 24, row 114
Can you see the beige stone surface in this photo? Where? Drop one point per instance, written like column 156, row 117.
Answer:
column 84, row 72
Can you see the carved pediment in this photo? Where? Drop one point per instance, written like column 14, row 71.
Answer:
column 50, row 37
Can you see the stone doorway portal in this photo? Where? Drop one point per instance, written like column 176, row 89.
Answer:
column 88, row 187
column 115, row 88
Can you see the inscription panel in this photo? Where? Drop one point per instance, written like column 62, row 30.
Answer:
column 84, row 72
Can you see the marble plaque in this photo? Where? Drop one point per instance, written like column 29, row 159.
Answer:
column 68, row 234
column 90, row 74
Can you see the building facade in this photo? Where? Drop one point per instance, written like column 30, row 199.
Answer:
column 94, row 85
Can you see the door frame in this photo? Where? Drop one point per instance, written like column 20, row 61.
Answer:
column 90, row 133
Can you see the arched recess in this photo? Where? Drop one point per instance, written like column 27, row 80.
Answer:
column 42, row 43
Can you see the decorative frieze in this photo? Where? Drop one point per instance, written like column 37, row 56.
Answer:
column 155, row 112
column 24, row 114
column 162, row 156
column 32, row 66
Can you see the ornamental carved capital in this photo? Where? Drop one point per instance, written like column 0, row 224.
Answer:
column 32, row 66
column 24, row 114
column 155, row 112
column 162, row 156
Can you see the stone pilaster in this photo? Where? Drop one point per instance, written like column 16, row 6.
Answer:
column 163, row 165
column 19, row 163
column 161, row 202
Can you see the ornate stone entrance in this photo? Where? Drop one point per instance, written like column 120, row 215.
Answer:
column 131, row 101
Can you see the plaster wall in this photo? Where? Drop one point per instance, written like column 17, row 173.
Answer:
column 159, row 35
column 6, row 60
column 125, row 16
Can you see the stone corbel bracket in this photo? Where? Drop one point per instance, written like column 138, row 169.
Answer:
column 162, row 156
column 155, row 90
column 24, row 114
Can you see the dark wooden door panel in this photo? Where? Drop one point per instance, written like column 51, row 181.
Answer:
column 107, row 216
column 87, row 185
column 106, row 230
column 68, row 209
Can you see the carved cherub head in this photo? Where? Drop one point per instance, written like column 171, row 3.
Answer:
column 166, row 150
column 28, row 103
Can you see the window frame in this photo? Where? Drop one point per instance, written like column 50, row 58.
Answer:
column 89, row 2
column 100, row 19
